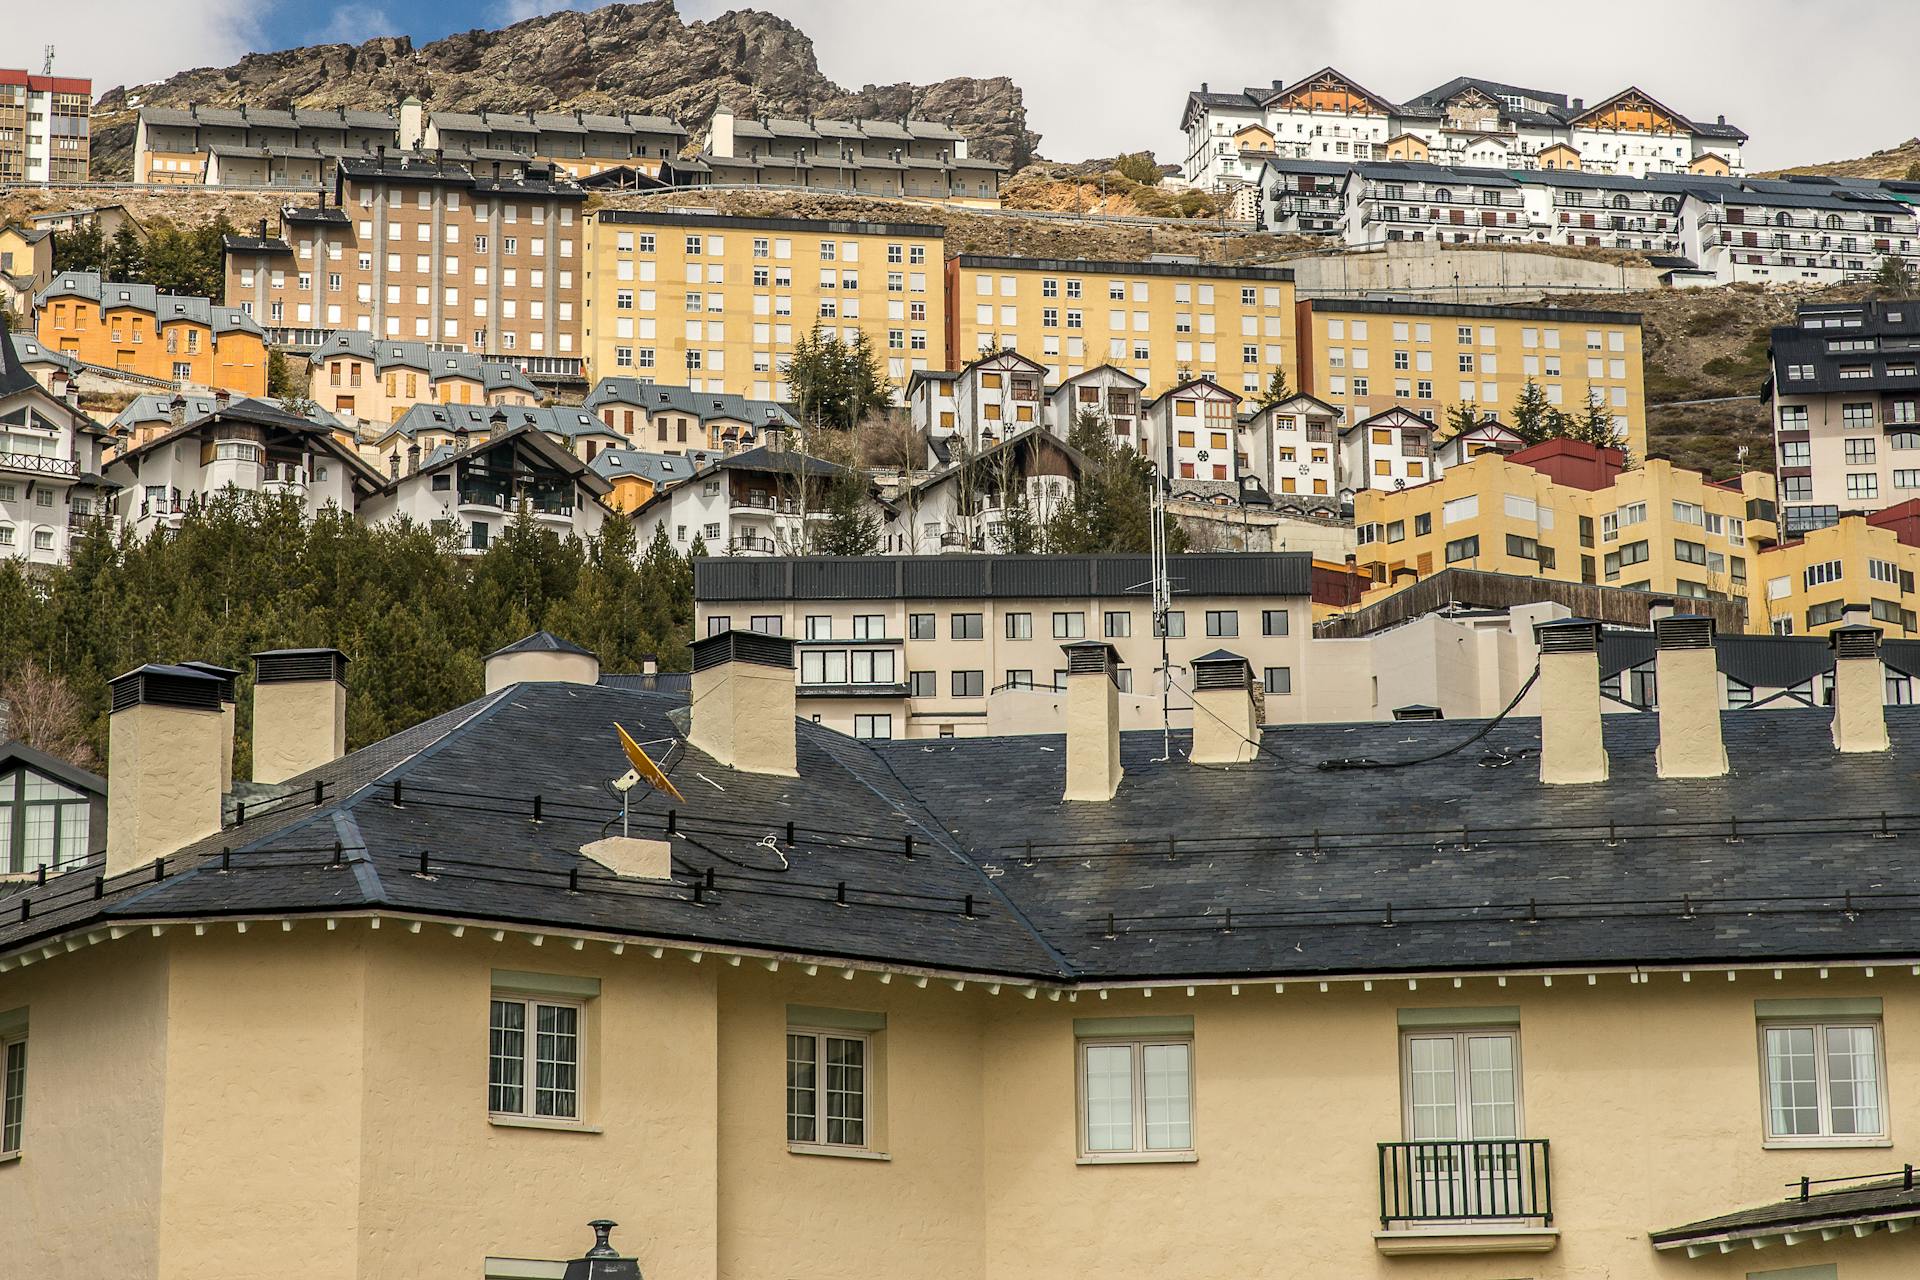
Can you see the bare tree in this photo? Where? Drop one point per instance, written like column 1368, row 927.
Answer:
column 44, row 713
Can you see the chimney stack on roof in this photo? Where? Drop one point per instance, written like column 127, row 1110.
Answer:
column 163, row 757
column 299, row 711
column 1687, row 675
column 226, row 676
column 541, row 658
column 743, row 692
column 1859, row 685
column 1093, row 720
column 1571, row 749
column 1225, row 728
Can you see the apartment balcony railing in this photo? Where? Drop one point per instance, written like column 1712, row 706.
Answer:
column 1490, row 1180
column 281, row 336
column 753, row 544
column 176, row 507
column 39, row 464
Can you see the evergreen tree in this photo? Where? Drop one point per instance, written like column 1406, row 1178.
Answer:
column 1461, row 417
column 1532, row 417
column 1276, row 390
column 84, row 248
column 835, row 382
column 125, row 258
column 850, row 526
column 1110, row 509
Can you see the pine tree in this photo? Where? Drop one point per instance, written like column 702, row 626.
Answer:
column 1276, row 390
column 1532, row 416
column 1461, row 417
column 850, row 526
column 1110, row 509
column 125, row 258
column 84, row 248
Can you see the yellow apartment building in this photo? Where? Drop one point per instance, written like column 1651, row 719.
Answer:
column 26, row 267
column 1005, row 1009
column 1368, row 356
column 1162, row 322
column 716, row 303
column 363, row 379
column 1572, row 512
column 136, row 329
column 1803, row 586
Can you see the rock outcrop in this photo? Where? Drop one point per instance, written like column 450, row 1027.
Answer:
column 637, row 57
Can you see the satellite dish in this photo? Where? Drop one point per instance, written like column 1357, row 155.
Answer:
column 645, row 767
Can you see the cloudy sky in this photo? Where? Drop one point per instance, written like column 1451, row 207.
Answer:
column 1103, row 76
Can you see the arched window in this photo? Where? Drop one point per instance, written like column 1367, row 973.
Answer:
column 1782, row 220
column 1833, row 222
column 1620, row 202
column 1442, row 194
column 1670, row 205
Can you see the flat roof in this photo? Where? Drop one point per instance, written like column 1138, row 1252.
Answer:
column 1104, row 266
column 695, row 217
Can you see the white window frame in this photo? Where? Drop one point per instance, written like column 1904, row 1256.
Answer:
column 1825, row 1137
column 531, row 1002
column 820, row 1142
column 1140, row 1152
column 1462, row 1078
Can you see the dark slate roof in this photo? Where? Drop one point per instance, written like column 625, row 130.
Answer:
column 541, row 642
column 14, row 754
column 1894, row 326
column 717, row 578
column 14, row 377
column 1894, row 1196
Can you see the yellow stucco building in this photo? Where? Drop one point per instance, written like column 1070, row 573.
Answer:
column 1040, row 1007
column 1163, row 322
column 1368, row 356
column 716, row 303
column 136, row 329
column 1572, row 512
column 1804, row 585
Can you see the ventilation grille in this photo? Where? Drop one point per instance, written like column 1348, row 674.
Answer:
column 1862, row 642
column 1569, row 639
column 1418, row 713
column 1222, row 675
column 1089, row 658
column 158, row 689
column 743, row 646
column 300, row 664
column 1683, row 633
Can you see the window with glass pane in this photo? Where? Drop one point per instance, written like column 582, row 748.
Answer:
column 1137, row 1095
column 1823, row 1081
column 1462, row 1085
column 533, row 1059
column 13, row 1093
column 826, row 1088
column 42, row 823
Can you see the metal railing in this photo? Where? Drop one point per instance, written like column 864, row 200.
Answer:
column 39, row 464
column 1465, row 1181
column 752, row 542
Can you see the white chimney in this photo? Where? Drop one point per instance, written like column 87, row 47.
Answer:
column 1093, row 720
column 1859, row 689
column 720, row 132
column 1570, row 745
column 743, row 701
column 1687, row 679
column 1225, row 728
column 163, row 764
column 541, row 658
column 299, row 711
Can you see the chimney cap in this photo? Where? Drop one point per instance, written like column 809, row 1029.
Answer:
column 1854, row 640
column 226, row 676
column 279, row 666
column 1567, row 635
column 734, row 645
column 163, row 685
column 1683, row 631
column 1091, row 655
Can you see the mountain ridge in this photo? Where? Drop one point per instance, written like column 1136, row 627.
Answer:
column 634, row 57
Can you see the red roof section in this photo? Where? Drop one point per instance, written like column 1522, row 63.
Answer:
column 47, row 84
column 1903, row 518
column 1572, row 463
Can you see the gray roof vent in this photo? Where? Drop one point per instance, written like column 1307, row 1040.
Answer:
column 1683, row 631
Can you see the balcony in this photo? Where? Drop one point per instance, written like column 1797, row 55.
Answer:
column 39, row 464
column 1484, row 1196
column 751, row 544
column 746, row 502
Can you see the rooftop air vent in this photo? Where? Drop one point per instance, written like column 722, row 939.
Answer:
column 1683, row 631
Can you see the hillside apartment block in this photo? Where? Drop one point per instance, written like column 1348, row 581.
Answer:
column 716, row 303
column 133, row 328
column 901, row 158
column 1570, row 511
column 479, row 259
column 1164, row 322
column 45, row 127
column 1844, row 390
column 1328, row 116
column 921, row 646
column 1365, row 357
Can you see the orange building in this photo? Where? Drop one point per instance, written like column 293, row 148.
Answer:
column 136, row 329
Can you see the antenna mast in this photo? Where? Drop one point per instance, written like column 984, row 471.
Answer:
column 46, row 68
column 1162, row 599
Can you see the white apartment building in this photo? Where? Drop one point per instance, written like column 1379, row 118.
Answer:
column 50, row 484
column 764, row 501
column 1328, row 116
column 1791, row 232
column 985, row 401
column 1111, row 395
column 962, row 502
column 1290, row 447
column 479, row 487
column 244, row 445
column 1393, row 449
column 1192, row 433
